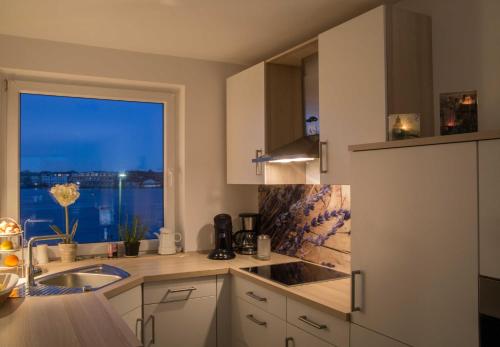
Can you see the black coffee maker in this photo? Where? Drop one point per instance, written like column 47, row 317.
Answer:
column 223, row 238
column 246, row 239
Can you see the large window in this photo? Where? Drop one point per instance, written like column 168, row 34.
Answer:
column 113, row 150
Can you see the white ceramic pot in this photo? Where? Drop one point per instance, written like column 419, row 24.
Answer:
column 167, row 239
column 67, row 252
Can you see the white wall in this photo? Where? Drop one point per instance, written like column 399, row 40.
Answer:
column 466, row 52
column 202, row 164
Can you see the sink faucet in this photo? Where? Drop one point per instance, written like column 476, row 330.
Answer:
column 30, row 276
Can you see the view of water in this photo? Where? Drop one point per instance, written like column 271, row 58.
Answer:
column 96, row 210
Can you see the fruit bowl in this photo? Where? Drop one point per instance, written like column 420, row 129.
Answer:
column 7, row 283
column 9, row 227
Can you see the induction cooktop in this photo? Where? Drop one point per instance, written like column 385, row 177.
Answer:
column 296, row 273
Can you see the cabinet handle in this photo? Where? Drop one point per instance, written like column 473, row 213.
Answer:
column 172, row 291
column 190, row 289
column 288, row 339
column 354, row 308
column 323, row 157
column 153, row 331
column 256, row 297
column 256, row 321
column 258, row 166
column 311, row 323
column 141, row 321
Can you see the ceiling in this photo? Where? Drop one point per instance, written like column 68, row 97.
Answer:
column 235, row 31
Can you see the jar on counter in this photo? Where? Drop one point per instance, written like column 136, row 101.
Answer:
column 264, row 247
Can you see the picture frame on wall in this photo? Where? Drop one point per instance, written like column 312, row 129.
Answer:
column 458, row 112
column 403, row 126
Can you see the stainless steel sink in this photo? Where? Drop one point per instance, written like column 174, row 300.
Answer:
column 77, row 280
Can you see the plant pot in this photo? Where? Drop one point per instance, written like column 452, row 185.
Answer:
column 67, row 252
column 132, row 249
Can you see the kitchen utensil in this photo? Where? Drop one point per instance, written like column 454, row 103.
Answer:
column 223, row 238
column 246, row 239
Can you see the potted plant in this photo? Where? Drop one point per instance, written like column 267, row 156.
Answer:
column 65, row 195
column 132, row 236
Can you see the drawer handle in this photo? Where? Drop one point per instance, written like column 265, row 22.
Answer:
column 256, row 321
column 311, row 323
column 256, row 297
column 190, row 289
column 289, row 339
column 173, row 291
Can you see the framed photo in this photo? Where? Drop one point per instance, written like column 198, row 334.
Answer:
column 458, row 112
column 403, row 126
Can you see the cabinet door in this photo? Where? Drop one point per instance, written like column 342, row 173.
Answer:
column 489, row 208
column 133, row 321
column 181, row 323
column 245, row 125
column 361, row 337
column 414, row 237
column 127, row 301
column 299, row 338
column 352, row 93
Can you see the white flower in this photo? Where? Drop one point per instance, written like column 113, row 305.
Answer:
column 65, row 194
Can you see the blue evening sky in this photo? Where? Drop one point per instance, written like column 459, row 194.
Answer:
column 67, row 133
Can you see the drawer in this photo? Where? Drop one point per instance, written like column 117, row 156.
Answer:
column 183, row 289
column 318, row 323
column 258, row 295
column 299, row 338
column 127, row 301
column 255, row 327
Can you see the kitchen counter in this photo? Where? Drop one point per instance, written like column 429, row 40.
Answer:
column 88, row 319
column 425, row 141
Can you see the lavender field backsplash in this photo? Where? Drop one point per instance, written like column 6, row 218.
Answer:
column 311, row 222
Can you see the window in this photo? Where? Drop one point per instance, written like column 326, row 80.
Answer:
column 113, row 149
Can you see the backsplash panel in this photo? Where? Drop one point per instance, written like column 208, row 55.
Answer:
column 311, row 222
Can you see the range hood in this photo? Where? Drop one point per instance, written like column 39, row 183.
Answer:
column 304, row 149
column 292, row 127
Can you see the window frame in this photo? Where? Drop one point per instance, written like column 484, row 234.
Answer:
column 10, row 182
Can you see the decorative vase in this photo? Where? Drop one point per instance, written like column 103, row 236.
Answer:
column 132, row 249
column 67, row 252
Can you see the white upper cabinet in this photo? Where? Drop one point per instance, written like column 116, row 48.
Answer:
column 489, row 208
column 352, row 90
column 355, row 74
column 245, row 125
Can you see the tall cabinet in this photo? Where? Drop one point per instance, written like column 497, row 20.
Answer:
column 415, row 245
column 489, row 208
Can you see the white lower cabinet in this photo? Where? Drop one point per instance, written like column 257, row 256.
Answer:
column 254, row 327
column 361, row 337
column 296, row 337
column 188, row 321
column 133, row 320
column 263, row 317
column 129, row 306
column 318, row 323
column 181, row 323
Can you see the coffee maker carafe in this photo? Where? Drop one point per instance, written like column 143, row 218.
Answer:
column 223, row 238
column 246, row 239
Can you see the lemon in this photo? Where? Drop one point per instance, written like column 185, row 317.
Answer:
column 6, row 245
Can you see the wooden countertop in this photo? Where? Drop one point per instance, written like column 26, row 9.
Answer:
column 88, row 319
column 426, row 141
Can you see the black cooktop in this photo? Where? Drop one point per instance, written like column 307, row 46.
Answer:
column 296, row 273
